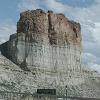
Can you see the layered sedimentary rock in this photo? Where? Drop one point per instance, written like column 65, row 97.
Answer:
column 45, row 37
column 48, row 46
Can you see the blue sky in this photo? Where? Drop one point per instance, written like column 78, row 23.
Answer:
column 8, row 10
column 84, row 11
column 78, row 3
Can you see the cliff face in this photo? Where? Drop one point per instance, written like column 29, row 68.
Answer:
column 43, row 37
column 48, row 46
column 57, row 27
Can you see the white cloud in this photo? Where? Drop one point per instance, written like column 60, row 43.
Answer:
column 43, row 4
column 94, row 66
column 29, row 5
column 90, row 58
column 96, row 30
column 92, row 61
column 6, row 28
column 55, row 6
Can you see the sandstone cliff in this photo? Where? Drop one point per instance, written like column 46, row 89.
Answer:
column 48, row 47
column 37, row 31
column 59, row 30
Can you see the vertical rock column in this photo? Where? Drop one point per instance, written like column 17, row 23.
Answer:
column 48, row 45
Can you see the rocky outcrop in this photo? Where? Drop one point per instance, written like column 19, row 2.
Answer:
column 59, row 29
column 48, row 46
column 36, row 31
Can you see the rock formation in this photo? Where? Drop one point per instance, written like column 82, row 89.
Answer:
column 43, row 36
column 48, row 46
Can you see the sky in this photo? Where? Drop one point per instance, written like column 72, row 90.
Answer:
column 86, row 12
